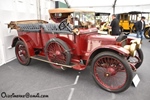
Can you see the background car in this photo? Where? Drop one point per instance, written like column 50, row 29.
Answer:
column 127, row 22
column 102, row 21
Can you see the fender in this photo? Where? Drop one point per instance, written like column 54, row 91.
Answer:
column 113, row 48
column 27, row 41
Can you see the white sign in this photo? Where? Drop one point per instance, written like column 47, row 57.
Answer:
column 136, row 80
column 76, row 23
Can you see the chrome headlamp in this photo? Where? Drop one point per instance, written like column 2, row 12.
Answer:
column 138, row 43
column 131, row 48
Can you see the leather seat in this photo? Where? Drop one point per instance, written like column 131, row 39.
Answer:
column 53, row 28
column 29, row 27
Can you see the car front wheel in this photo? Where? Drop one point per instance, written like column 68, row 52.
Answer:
column 111, row 72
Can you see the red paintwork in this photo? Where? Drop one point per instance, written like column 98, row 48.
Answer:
column 28, row 43
column 82, row 46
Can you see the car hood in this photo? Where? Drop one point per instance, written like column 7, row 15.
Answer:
column 104, row 39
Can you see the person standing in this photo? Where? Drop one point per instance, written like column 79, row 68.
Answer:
column 140, row 27
column 114, row 25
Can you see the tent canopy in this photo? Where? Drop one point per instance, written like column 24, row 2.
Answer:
column 107, row 5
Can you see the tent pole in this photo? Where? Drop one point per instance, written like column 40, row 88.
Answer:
column 113, row 10
column 67, row 3
column 114, row 5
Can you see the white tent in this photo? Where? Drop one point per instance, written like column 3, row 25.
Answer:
column 13, row 10
column 33, row 9
column 107, row 5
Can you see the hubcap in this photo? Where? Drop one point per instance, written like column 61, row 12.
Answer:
column 110, row 72
column 21, row 53
column 57, row 53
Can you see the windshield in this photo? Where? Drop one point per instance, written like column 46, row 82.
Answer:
column 81, row 18
column 103, row 18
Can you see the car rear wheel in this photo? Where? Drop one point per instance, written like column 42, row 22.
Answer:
column 111, row 72
column 22, row 53
column 57, row 51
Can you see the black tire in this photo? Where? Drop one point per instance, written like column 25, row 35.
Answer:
column 141, row 56
column 133, row 29
column 147, row 33
column 111, row 72
column 120, row 30
column 58, row 44
column 22, row 53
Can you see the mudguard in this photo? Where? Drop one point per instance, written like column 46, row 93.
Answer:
column 113, row 48
column 29, row 44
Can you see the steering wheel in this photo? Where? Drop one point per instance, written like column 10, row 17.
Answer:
column 63, row 24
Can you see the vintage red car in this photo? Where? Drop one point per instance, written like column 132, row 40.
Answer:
column 71, row 40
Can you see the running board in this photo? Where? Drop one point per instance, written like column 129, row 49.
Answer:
column 45, row 60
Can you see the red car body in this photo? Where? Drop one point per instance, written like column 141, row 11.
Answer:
column 45, row 41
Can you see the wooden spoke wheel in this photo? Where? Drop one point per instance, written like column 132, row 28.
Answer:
column 57, row 51
column 22, row 53
column 111, row 72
